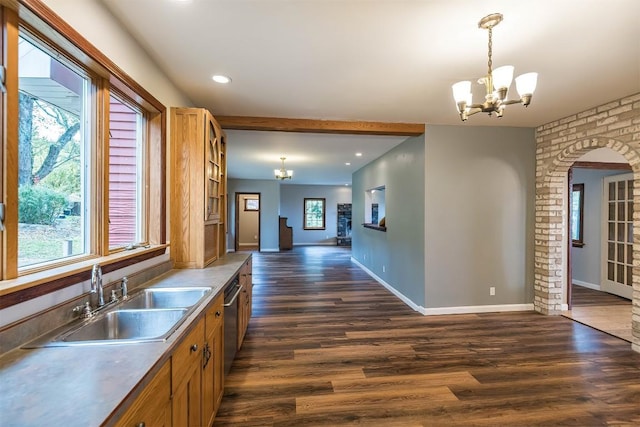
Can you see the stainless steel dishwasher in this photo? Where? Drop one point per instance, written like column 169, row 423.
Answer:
column 231, row 301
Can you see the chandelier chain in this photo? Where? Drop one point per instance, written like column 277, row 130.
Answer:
column 490, row 62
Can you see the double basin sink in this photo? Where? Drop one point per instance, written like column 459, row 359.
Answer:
column 151, row 314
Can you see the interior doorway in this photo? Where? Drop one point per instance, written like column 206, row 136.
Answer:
column 247, row 230
column 600, row 244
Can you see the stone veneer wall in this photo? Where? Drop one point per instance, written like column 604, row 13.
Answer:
column 615, row 125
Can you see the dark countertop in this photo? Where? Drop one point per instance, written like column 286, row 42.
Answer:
column 84, row 385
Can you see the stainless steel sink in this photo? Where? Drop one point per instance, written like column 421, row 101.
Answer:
column 165, row 298
column 149, row 315
column 120, row 327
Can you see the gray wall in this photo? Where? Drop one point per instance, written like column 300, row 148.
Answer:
column 585, row 261
column 269, row 209
column 291, row 206
column 401, row 249
column 480, row 192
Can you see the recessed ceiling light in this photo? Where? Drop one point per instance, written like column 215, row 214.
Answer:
column 348, row 164
column 358, row 154
column 219, row 78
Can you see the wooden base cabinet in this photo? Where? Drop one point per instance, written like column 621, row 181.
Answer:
column 197, row 374
column 152, row 408
column 186, row 379
column 188, row 389
column 246, row 297
column 213, row 365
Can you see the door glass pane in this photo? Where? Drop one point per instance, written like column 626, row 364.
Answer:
column 612, row 231
column 630, row 190
column 612, row 211
column 629, row 280
column 630, row 232
column 621, row 211
column 53, row 153
column 611, row 251
column 622, row 194
column 125, row 174
column 630, row 254
column 620, row 273
column 620, row 255
column 610, row 271
column 612, row 191
column 621, row 232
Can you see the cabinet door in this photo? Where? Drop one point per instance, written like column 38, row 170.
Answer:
column 152, row 408
column 212, row 375
column 186, row 381
column 186, row 402
column 212, row 170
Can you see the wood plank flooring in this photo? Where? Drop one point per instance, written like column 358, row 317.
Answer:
column 328, row 346
column 601, row 310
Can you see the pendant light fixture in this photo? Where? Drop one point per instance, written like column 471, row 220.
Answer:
column 496, row 81
column 283, row 173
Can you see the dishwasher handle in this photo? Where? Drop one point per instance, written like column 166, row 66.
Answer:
column 233, row 299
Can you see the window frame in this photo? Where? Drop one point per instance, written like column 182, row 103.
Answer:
column 579, row 242
column 34, row 17
column 324, row 213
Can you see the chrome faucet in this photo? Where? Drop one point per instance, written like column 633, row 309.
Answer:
column 96, row 284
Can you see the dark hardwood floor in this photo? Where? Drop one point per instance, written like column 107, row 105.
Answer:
column 582, row 297
column 328, row 346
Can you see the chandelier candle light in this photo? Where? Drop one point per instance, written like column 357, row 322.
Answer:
column 497, row 82
column 283, row 173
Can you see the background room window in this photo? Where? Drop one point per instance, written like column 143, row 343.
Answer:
column 126, row 175
column 577, row 215
column 53, row 153
column 314, row 214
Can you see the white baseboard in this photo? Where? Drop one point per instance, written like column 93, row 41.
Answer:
column 390, row 288
column 269, row 250
column 230, row 250
column 586, row 285
column 470, row 309
column 446, row 310
column 248, row 244
column 564, row 307
column 316, row 244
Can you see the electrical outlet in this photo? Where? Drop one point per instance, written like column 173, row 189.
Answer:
column 384, row 269
column 492, row 291
column 365, row 257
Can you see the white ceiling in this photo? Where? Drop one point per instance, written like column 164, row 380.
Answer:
column 378, row 60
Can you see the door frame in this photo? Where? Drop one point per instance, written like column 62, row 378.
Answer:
column 584, row 165
column 237, row 217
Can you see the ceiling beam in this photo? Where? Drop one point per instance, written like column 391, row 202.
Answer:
column 320, row 126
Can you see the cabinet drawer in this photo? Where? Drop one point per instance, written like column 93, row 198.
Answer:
column 214, row 315
column 187, row 355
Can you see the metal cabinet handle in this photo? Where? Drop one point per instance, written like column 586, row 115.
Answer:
column 194, row 347
column 218, row 314
column 142, row 424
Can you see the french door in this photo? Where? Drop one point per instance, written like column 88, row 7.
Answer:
column 617, row 235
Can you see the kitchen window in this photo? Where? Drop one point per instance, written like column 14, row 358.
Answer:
column 82, row 162
column 314, row 214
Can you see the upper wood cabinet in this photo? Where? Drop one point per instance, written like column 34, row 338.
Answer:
column 198, row 188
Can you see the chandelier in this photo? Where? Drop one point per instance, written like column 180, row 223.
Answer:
column 496, row 81
column 283, row 173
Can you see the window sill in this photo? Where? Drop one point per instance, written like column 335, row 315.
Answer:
column 375, row 227
column 33, row 285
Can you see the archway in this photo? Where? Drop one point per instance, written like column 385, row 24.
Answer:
column 550, row 251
